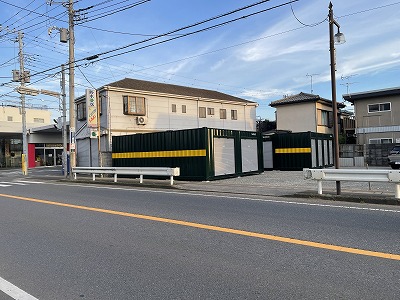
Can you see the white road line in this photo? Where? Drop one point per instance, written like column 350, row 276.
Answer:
column 25, row 181
column 12, row 182
column 14, row 291
column 4, row 185
column 234, row 197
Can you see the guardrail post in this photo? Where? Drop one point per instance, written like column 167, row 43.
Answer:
column 141, row 179
column 115, row 177
column 397, row 192
column 172, row 179
column 319, row 182
column 94, row 176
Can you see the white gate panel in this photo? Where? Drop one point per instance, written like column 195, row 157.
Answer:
column 313, row 154
column 268, row 155
column 249, row 155
column 224, row 156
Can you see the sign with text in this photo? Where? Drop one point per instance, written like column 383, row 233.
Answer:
column 91, row 104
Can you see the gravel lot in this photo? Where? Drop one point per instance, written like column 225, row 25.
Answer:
column 279, row 183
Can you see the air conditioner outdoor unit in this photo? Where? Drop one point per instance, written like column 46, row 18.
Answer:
column 141, row 120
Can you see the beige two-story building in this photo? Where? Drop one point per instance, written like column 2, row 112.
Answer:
column 11, row 131
column 304, row 112
column 132, row 106
column 377, row 115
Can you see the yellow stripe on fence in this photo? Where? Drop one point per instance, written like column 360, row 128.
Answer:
column 156, row 154
column 292, row 150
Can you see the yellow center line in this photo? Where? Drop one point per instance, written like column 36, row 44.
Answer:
column 217, row 228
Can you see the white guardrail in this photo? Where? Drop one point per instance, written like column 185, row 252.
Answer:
column 152, row 171
column 368, row 175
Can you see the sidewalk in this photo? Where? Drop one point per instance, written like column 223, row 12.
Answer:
column 290, row 184
column 293, row 184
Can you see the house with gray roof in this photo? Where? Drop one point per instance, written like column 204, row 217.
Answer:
column 131, row 106
column 304, row 112
column 377, row 114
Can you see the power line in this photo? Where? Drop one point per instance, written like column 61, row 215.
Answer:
column 367, row 10
column 191, row 57
column 117, row 10
column 185, row 27
column 308, row 25
column 181, row 36
column 21, row 10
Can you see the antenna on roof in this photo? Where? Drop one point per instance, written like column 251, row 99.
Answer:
column 311, row 76
column 347, row 84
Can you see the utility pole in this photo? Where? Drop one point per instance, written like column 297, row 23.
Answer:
column 64, row 122
column 339, row 38
column 23, row 111
column 71, row 79
column 71, row 66
column 98, row 103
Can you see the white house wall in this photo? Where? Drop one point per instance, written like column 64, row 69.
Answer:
column 11, row 118
column 300, row 117
column 160, row 116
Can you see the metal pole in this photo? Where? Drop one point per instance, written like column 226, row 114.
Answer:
column 334, row 104
column 23, row 111
column 64, row 121
column 98, row 102
column 71, row 67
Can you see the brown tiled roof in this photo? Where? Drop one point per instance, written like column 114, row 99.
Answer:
column 302, row 97
column 142, row 85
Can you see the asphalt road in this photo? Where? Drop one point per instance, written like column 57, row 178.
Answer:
column 76, row 241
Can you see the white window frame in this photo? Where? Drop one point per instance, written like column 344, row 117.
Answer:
column 380, row 107
column 184, row 109
column 202, row 112
column 234, row 114
column 379, row 141
column 222, row 114
column 210, row 111
column 173, row 108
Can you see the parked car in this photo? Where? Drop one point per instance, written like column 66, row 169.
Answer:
column 394, row 157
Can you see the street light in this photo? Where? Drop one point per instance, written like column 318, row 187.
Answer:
column 339, row 39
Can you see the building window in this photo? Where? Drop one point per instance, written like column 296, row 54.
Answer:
column 184, row 109
column 202, row 112
column 173, row 107
column 210, row 111
column 134, row 105
column 379, row 107
column 381, row 141
column 222, row 113
column 326, row 118
column 233, row 114
column 81, row 109
column 9, row 118
column 38, row 120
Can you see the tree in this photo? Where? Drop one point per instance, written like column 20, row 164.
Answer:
column 265, row 125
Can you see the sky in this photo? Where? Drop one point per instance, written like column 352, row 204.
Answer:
column 259, row 53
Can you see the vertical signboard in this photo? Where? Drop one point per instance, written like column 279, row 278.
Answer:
column 91, row 104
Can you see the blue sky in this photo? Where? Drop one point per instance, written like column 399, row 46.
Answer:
column 259, row 58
